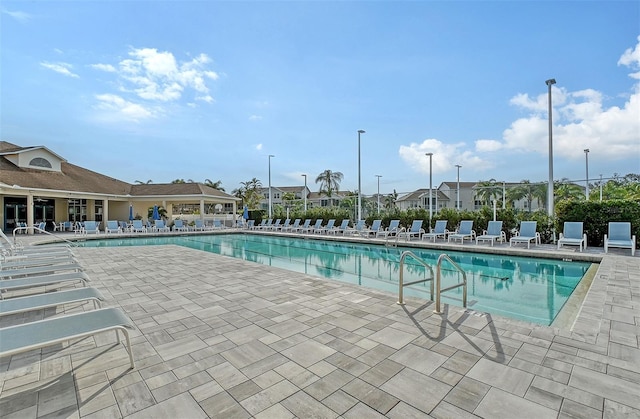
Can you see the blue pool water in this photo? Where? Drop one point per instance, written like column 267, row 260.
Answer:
column 523, row 288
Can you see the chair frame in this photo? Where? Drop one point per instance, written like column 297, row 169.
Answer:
column 569, row 240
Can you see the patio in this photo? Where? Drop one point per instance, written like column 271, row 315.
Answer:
column 220, row 337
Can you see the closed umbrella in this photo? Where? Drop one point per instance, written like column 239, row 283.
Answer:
column 245, row 214
column 130, row 212
column 156, row 214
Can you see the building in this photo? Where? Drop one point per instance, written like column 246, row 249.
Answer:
column 36, row 185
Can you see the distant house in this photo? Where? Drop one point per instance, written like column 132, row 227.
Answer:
column 36, row 185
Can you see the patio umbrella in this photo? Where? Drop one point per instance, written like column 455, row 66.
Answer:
column 156, row 214
column 131, row 212
column 245, row 214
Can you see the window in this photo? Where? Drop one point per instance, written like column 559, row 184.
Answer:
column 98, row 210
column 77, row 210
column 40, row 162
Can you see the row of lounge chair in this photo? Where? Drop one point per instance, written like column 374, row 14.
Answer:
column 138, row 226
column 24, row 274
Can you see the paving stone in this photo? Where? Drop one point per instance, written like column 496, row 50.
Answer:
column 361, row 410
column 308, row 353
column 613, row 388
column 501, row 376
column 304, row 406
column 340, row 402
column 409, row 386
column 500, row 404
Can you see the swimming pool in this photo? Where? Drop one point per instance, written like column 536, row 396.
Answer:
column 534, row 290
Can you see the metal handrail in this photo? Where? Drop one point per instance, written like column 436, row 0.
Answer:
column 439, row 290
column 401, row 283
column 34, row 228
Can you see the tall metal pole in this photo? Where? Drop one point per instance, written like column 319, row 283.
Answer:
column 360, row 131
column 305, row 193
column 586, row 157
column 430, row 186
column 270, row 155
column 550, row 83
column 458, row 189
column 601, row 187
column 378, row 176
column 504, row 196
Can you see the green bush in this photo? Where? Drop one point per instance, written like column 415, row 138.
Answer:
column 597, row 215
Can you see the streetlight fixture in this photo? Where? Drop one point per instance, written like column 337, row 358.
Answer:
column 600, row 187
column 360, row 131
column 550, row 83
column 586, row 157
column 378, row 176
column 270, row 155
column 305, row 192
column 430, row 186
column 458, row 189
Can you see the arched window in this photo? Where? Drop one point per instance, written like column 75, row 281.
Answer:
column 40, row 162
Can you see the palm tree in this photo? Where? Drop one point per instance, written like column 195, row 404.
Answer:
column 565, row 190
column 529, row 191
column 390, row 200
column 249, row 192
column 488, row 190
column 329, row 183
column 215, row 185
column 144, row 183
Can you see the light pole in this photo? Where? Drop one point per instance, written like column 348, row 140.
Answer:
column 378, row 176
column 600, row 187
column 360, row 131
column 550, row 83
column 430, row 186
column 586, row 157
column 458, row 189
column 305, row 193
column 270, row 155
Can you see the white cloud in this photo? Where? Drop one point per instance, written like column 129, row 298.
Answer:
column 104, row 67
column 444, row 159
column 259, row 147
column 61, row 68
column 119, row 108
column 157, row 76
column 255, row 118
column 488, row 146
column 21, row 17
column 580, row 120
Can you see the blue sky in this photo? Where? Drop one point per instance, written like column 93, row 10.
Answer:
column 153, row 90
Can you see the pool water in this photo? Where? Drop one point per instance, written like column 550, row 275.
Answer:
column 528, row 289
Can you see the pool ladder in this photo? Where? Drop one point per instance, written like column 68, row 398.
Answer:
column 438, row 276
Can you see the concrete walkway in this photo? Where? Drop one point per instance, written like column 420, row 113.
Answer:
column 220, row 337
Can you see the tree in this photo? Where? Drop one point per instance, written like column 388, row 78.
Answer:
column 329, row 183
column 215, row 185
column 488, row 190
column 529, row 191
column 249, row 192
column 567, row 190
column 144, row 183
column 390, row 200
column 182, row 181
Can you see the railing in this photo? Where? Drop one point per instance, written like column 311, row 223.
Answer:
column 439, row 290
column 34, row 229
column 401, row 283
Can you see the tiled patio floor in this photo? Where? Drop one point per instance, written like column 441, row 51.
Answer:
column 220, row 337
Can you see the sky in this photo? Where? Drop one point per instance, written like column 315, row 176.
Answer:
column 195, row 90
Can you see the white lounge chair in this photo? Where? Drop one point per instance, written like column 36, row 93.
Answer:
column 440, row 230
column 620, row 236
column 291, row 227
column 392, row 230
column 465, row 231
column 39, row 281
column 527, row 234
column 40, row 270
column 342, row 228
column 573, row 235
column 112, row 227
column 303, row 227
column 316, row 227
column 50, row 299
column 138, row 227
column 91, row 227
column 179, row 225
column 376, row 227
column 39, row 334
column 358, row 229
column 416, row 230
column 492, row 233
column 160, row 226
column 326, row 228
column 284, row 226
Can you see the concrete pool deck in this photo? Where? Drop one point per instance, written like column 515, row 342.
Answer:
column 221, row 337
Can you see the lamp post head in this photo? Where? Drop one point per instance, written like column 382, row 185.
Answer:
column 550, row 82
column 428, row 154
column 361, row 131
column 271, row 155
column 586, row 150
